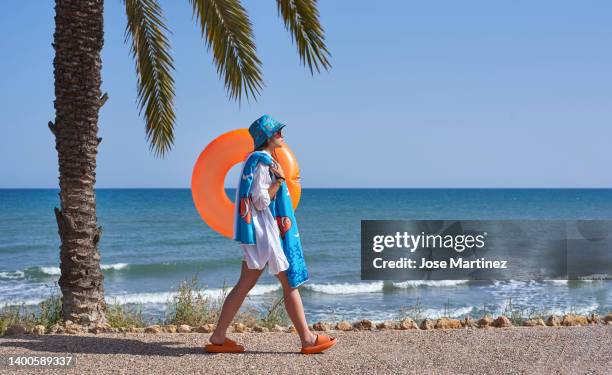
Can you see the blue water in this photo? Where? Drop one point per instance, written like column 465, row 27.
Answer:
column 154, row 238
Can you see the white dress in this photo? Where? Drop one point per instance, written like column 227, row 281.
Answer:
column 267, row 248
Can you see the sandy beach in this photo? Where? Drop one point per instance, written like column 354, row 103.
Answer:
column 559, row 350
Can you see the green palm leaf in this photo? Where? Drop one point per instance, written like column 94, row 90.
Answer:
column 301, row 18
column 227, row 29
column 150, row 49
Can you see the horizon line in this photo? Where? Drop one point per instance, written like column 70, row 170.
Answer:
column 331, row 188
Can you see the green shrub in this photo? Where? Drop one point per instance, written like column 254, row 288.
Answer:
column 50, row 310
column 118, row 315
column 16, row 314
column 190, row 305
column 415, row 312
column 275, row 313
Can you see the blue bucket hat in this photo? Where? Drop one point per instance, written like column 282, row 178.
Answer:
column 264, row 128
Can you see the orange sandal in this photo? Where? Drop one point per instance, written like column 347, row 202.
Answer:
column 228, row 346
column 322, row 343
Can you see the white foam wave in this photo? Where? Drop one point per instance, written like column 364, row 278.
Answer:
column 141, row 298
column 373, row 287
column 596, row 277
column 263, row 289
column 164, row 297
column 20, row 301
column 580, row 310
column 12, row 275
column 433, row 283
column 55, row 271
column 115, row 266
column 346, row 288
column 452, row 312
column 557, row 282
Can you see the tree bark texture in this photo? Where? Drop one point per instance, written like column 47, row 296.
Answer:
column 78, row 41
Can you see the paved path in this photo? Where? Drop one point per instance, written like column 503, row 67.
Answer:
column 561, row 350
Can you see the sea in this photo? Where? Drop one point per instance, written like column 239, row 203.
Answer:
column 154, row 239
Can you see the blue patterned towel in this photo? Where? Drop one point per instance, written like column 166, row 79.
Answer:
column 282, row 211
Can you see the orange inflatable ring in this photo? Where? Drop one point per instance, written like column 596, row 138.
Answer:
column 213, row 164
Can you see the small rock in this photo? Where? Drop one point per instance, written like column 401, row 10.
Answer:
column 39, row 330
column 344, row 326
column 485, row 321
column 291, row 329
column 258, row 328
column 184, row 328
column 155, row 328
column 363, row 325
column 16, row 330
column 447, row 323
column 502, row 322
column 278, row 328
column 206, row 328
column 427, row 324
column 321, row 326
column 407, row 323
column 574, row 320
column 553, row 321
column 608, row 318
column 240, row 328
column 538, row 322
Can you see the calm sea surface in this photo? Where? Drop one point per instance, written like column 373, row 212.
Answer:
column 154, row 238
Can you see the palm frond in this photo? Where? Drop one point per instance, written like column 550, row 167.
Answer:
column 301, row 18
column 226, row 29
column 150, row 49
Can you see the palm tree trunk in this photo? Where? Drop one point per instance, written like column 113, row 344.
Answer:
column 78, row 41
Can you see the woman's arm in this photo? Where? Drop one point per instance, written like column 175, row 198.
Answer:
column 274, row 188
column 261, row 188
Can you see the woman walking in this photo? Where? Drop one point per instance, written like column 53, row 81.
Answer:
column 265, row 226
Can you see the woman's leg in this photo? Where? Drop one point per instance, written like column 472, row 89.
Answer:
column 295, row 310
column 233, row 301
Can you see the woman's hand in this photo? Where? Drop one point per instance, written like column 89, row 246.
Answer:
column 277, row 169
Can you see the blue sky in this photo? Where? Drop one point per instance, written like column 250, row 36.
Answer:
column 421, row 94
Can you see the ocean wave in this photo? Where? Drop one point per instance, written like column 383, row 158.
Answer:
column 449, row 312
column 379, row 286
column 556, row 282
column 169, row 268
column 164, row 297
column 596, row 277
column 11, row 275
column 431, row 283
column 55, row 271
column 345, row 288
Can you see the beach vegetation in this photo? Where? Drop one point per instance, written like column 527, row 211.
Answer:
column 125, row 315
column 515, row 313
column 191, row 305
column 274, row 313
column 50, row 309
column 415, row 311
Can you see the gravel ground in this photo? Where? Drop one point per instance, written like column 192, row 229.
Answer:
column 541, row 350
